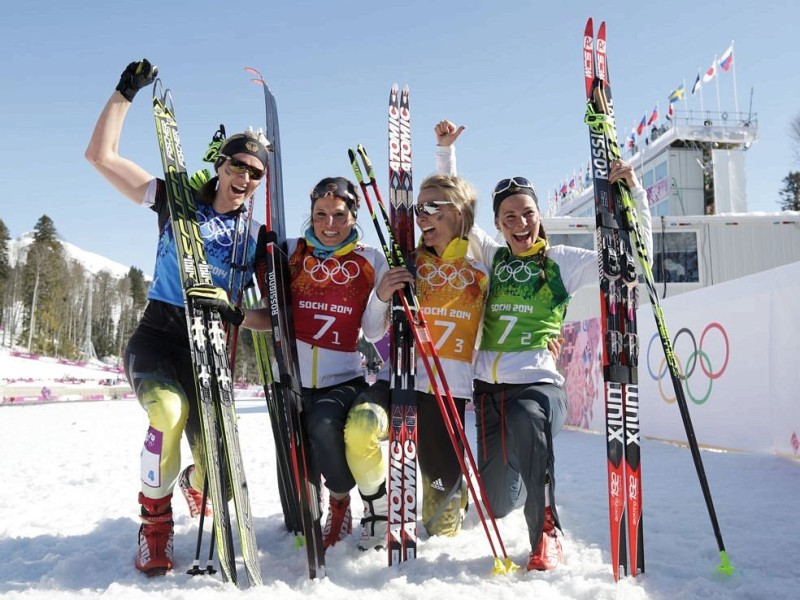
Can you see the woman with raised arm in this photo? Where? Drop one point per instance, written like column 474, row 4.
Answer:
column 451, row 291
column 157, row 358
column 520, row 404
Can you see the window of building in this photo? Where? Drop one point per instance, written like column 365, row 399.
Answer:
column 675, row 257
column 585, row 239
column 661, row 171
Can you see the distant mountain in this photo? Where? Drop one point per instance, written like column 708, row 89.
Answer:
column 93, row 263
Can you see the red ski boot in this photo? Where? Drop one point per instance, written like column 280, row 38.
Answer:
column 155, row 536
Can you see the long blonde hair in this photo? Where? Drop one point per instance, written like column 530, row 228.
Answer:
column 458, row 191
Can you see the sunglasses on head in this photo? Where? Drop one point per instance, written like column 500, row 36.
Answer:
column 240, row 167
column 505, row 185
column 431, row 207
column 339, row 188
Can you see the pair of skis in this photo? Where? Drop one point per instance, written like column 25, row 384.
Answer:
column 402, row 487
column 298, row 489
column 425, row 345
column 213, row 375
column 618, row 234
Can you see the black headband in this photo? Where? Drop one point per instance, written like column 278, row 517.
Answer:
column 512, row 191
column 244, row 143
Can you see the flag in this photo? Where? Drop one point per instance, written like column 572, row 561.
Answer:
column 677, row 94
column 709, row 75
column 696, row 85
column 571, row 185
column 563, row 190
column 642, row 125
column 631, row 141
column 653, row 117
column 670, row 112
column 726, row 60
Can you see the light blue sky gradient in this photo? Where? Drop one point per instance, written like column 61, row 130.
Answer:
column 509, row 70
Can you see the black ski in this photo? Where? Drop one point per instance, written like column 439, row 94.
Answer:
column 286, row 389
column 618, row 234
column 213, row 375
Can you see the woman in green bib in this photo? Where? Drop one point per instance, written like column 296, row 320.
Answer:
column 519, row 400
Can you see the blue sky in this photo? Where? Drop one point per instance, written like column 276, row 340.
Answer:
column 509, row 70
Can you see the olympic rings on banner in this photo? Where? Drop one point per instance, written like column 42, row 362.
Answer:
column 698, row 357
column 518, row 270
column 340, row 273
column 446, row 274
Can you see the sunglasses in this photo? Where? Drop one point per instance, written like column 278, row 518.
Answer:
column 340, row 188
column 430, row 208
column 240, row 167
column 515, row 182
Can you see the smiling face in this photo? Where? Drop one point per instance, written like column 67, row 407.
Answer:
column 442, row 227
column 332, row 220
column 519, row 221
column 236, row 181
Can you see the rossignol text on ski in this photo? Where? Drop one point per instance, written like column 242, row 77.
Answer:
column 285, row 391
column 618, row 234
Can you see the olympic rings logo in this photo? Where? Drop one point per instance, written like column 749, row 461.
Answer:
column 215, row 229
column 445, row 274
column 698, row 361
column 340, row 273
column 518, row 270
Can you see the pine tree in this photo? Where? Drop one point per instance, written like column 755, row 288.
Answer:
column 44, row 281
column 138, row 288
column 790, row 193
column 5, row 267
column 5, row 264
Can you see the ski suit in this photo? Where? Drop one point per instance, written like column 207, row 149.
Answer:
column 451, row 291
column 329, row 299
column 157, row 361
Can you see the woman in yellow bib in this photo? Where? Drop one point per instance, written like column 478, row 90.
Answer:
column 451, row 290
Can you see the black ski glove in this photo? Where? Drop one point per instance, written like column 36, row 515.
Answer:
column 136, row 75
column 204, row 294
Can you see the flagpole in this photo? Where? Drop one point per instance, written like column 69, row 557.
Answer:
column 735, row 93
column 688, row 108
column 716, row 76
column 702, row 103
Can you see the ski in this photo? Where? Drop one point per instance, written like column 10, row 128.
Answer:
column 285, row 393
column 618, row 297
column 605, row 147
column 402, row 489
column 213, row 376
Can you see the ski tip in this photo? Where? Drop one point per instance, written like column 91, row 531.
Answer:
column 725, row 567
column 601, row 32
column 405, row 89
column 395, row 87
column 589, row 26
